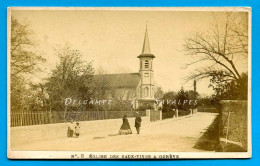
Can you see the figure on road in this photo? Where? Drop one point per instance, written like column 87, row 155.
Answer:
column 77, row 130
column 71, row 128
column 125, row 128
column 138, row 121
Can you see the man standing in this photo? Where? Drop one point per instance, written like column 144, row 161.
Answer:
column 138, row 121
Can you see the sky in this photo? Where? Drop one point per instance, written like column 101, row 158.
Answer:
column 114, row 39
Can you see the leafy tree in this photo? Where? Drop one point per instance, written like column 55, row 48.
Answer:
column 40, row 98
column 192, row 94
column 24, row 59
column 158, row 93
column 169, row 103
column 230, row 90
column 181, row 96
column 169, row 97
column 24, row 62
column 206, row 101
column 71, row 78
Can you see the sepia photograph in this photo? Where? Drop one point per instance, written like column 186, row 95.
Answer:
column 129, row 83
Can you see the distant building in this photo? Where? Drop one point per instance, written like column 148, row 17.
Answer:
column 130, row 86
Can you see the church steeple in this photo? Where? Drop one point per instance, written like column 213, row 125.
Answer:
column 146, row 45
column 146, row 87
column 146, row 51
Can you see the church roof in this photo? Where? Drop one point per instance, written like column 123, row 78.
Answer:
column 146, row 45
column 146, row 51
column 123, row 80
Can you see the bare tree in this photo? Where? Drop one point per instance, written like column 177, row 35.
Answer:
column 220, row 47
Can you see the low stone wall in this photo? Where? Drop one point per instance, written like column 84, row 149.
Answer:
column 98, row 128
column 236, row 131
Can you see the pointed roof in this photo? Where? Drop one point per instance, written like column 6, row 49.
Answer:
column 146, row 51
column 146, row 46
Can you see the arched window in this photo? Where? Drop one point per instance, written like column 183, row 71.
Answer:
column 146, row 91
column 146, row 64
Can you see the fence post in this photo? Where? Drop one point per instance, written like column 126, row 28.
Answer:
column 21, row 121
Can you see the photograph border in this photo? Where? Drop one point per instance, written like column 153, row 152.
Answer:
column 181, row 155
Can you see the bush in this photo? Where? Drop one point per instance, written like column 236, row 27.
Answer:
column 183, row 112
column 168, row 114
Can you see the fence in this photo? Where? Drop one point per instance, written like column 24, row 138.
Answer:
column 27, row 118
column 170, row 114
column 211, row 109
column 155, row 115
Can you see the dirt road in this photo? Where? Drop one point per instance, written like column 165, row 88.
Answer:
column 171, row 135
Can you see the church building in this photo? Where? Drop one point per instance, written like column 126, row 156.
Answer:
column 137, row 87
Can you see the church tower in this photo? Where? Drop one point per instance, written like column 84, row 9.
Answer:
column 146, row 91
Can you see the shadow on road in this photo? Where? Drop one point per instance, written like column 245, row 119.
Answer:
column 111, row 135
column 209, row 140
column 98, row 137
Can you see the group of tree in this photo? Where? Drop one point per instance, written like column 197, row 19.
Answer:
column 183, row 100
column 71, row 77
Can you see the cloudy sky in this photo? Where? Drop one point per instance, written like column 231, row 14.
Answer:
column 114, row 39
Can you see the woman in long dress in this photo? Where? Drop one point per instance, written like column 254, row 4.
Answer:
column 125, row 128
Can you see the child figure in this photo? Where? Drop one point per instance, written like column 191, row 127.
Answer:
column 77, row 130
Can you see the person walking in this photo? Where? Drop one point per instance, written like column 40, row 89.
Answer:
column 125, row 127
column 138, row 121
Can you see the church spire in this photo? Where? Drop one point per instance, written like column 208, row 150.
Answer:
column 146, row 52
column 146, row 46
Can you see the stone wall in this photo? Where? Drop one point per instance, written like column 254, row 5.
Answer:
column 236, row 132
